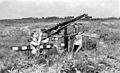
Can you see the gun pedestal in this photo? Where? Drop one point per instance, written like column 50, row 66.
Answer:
column 66, row 39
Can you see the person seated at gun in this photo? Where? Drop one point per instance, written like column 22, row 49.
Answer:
column 77, row 43
column 36, row 40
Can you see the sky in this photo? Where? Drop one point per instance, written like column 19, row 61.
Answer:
column 11, row 9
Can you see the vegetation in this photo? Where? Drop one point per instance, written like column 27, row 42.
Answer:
column 106, row 59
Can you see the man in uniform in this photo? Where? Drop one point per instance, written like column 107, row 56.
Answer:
column 36, row 41
column 77, row 43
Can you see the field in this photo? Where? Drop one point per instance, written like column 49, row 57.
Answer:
column 106, row 59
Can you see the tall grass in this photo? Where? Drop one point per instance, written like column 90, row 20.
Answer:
column 106, row 55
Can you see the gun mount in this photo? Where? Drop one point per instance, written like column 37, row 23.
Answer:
column 62, row 26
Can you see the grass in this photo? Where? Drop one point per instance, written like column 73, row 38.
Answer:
column 107, row 55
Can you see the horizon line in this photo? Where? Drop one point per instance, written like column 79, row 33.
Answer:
column 54, row 16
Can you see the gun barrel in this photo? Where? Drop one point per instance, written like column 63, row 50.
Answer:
column 64, row 23
column 55, row 32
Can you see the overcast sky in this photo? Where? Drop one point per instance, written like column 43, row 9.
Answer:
column 40, row 8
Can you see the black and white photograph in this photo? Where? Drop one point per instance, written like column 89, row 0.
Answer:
column 59, row 36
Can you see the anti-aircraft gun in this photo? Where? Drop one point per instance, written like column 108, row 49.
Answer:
column 57, row 28
column 63, row 26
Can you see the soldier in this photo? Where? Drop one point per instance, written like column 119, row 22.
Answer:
column 77, row 43
column 36, row 40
